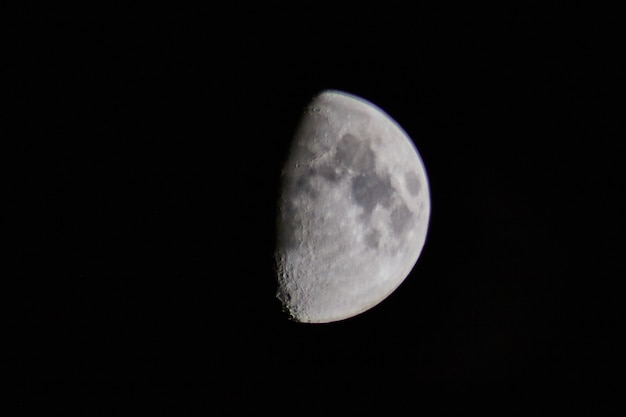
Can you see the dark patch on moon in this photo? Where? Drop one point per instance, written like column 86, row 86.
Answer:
column 368, row 189
column 327, row 172
column 413, row 183
column 401, row 217
column 372, row 238
column 303, row 184
column 355, row 154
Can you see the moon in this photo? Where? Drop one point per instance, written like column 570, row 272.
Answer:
column 353, row 210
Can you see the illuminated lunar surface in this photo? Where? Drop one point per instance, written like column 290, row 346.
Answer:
column 353, row 211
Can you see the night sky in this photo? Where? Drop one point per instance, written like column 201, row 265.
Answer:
column 143, row 193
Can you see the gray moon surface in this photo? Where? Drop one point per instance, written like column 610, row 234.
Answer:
column 353, row 210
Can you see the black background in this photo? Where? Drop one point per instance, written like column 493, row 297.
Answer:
column 145, row 176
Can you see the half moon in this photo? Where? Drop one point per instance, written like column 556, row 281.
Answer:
column 353, row 211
